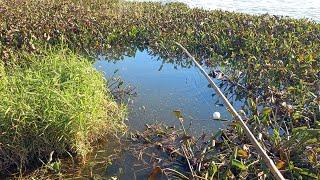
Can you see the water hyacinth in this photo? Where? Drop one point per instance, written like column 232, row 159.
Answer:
column 279, row 58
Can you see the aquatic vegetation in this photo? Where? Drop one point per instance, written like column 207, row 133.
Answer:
column 183, row 156
column 273, row 62
column 173, row 153
column 55, row 103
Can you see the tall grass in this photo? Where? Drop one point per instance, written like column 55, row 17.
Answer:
column 59, row 103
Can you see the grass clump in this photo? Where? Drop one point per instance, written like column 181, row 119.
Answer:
column 59, row 103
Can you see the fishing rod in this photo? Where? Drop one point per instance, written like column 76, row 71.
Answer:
column 274, row 170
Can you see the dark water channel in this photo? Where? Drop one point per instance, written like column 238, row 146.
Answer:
column 161, row 88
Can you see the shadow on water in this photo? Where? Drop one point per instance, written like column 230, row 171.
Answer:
column 162, row 86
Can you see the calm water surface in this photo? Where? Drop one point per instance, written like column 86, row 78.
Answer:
column 293, row 8
column 162, row 88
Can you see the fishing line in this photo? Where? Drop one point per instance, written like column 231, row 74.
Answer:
column 200, row 93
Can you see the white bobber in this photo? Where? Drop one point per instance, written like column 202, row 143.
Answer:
column 216, row 115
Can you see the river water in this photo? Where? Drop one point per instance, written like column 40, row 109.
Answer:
column 294, row 8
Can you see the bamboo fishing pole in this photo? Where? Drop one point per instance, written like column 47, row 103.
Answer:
column 274, row 170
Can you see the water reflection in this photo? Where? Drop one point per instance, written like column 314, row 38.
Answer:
column 163, row 87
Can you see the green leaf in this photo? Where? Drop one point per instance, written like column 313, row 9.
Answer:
column 305, row 172
column 238, row 164
column 266, row 111
column 298, row 129
column 213, row 170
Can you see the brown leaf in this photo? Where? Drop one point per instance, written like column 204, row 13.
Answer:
column 155, row 174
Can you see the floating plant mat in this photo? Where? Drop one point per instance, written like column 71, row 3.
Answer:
column 171, row 152
column 163, row 152
column 175, row 152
